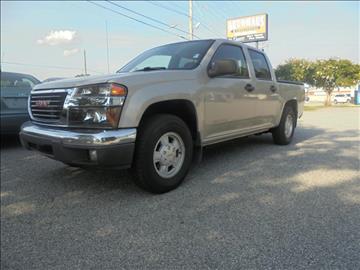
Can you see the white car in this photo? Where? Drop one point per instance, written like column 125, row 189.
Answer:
column 342, row 98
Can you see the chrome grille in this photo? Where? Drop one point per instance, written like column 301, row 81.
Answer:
column 47, row 107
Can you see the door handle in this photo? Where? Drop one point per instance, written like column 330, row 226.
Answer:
column 248, row 87
column 273, row 88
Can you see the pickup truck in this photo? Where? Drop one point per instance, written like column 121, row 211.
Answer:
column 157, row 113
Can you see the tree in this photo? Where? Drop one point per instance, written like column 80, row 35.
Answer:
column 327, row 74
column 296, row 70
column 332, row 73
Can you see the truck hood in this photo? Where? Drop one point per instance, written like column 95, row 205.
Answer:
column 128, row 79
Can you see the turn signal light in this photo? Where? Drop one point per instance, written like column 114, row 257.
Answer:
column 118, row 90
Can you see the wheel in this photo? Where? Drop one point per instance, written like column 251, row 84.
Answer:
column 283, row 133
column 163, row 154
column 335, row 101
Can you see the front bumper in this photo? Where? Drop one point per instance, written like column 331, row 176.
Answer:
column 113, row 148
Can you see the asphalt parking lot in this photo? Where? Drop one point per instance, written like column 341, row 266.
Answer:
column 249, row 205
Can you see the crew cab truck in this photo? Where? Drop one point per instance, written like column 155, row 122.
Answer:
column 157, row 112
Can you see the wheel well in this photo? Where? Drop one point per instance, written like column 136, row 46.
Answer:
column 183, row 109
column 294, row 105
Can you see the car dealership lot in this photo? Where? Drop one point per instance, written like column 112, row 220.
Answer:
column 249, row 204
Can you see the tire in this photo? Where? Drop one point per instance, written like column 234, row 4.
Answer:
column 153, row 155
column 281, row 134
column 335, row 101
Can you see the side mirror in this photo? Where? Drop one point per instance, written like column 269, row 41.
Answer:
column 222, row 67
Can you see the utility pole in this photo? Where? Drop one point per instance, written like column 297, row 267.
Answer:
column 191, row 20
column 85, row 63
column 2, row 58
column 107, row 47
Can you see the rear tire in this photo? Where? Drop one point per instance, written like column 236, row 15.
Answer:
column 283, row 134
column 164, row 150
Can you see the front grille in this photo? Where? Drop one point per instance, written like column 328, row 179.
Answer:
column 47, row 107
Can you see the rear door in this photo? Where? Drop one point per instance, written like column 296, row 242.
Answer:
column 229, row 107
column 268, row 103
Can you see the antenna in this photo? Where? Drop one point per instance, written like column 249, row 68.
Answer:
column 85, row 62
column 107, row 47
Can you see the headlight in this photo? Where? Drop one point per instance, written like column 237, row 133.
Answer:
column 96, row 105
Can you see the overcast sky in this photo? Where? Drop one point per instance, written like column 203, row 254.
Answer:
column 43, row 36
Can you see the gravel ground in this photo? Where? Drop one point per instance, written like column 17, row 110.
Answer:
column 249, row 205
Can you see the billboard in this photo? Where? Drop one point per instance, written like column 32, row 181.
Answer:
column 248, row 29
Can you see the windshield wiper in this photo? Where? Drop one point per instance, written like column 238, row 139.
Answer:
column 150, row 68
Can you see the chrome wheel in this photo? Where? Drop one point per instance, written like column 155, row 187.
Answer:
column 289, row 125
column 169, row 155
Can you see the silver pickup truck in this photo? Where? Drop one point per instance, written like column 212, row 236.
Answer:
column 157, row 113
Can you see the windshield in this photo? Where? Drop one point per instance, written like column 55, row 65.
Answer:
column 183, row 55
column 17, row 81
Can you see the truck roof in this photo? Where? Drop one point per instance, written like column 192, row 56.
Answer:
column 222, row 40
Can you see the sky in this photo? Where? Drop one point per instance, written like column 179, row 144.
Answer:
column 48, row 38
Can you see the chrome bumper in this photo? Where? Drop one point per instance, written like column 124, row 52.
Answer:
column 78, row 138
column 113, row 148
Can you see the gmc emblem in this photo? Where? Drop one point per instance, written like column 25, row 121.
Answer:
column 42, row 103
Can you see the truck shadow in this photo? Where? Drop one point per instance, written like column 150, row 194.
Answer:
column 245, row 192
column 244, row 157
column 237, row 164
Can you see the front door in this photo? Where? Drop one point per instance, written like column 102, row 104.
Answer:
column 229, row 107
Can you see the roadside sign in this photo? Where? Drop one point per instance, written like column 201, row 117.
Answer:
column 248, row 29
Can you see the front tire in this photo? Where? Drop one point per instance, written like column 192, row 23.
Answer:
column 164, row 150
column 283, row 134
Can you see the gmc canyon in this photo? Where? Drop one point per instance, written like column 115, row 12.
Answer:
column 157, row 113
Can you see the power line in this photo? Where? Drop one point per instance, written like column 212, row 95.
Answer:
column 137, row 20
column 186, row 15
column 171, row 9
column 176, row 5
column 214, row 14
column 199, row 8
column 220, row 11
column 46, row 66
column 149, row 18
column 183, row 14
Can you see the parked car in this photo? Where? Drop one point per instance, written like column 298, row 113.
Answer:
column 159, row 111
column 14, row 92
column 342, row 98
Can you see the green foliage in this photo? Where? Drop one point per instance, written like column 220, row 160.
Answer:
column 327, row 74
column 332, row 73
column 296, row 70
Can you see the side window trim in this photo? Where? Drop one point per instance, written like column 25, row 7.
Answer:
column 246, row 62
column 267, row 64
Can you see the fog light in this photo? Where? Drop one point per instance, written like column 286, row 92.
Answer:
column 93, row 155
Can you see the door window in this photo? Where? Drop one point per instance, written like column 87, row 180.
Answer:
column 235, row 53
column 261, row 67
